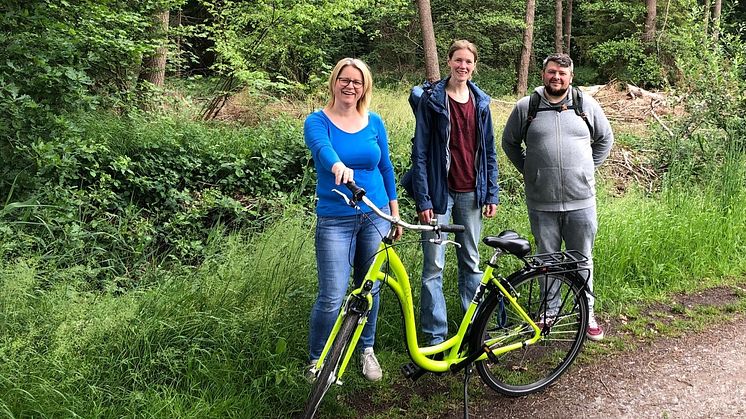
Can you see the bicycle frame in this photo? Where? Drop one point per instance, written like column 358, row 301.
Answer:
column 397, row 279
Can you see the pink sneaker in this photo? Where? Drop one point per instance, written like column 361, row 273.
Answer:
column 594, row 331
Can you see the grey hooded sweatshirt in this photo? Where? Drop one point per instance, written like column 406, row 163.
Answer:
column 559, row 157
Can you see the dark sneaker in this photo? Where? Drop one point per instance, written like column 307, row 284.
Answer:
column 594, row 331
column 371, row 367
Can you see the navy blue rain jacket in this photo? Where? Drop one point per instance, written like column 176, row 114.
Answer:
column 431, row 156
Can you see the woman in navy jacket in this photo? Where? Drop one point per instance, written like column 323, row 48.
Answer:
column 454, row 175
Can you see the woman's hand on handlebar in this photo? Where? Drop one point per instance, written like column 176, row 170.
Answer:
column 425, row 216
column 342, row 173
column 394, row 207
column 398, row 233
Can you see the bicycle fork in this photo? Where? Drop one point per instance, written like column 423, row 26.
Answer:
column 357, row 304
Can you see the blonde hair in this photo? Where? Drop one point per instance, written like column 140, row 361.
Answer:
column 462, row 44
column 364, row 102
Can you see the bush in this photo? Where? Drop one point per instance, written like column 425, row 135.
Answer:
column 586, row 76
column 117, row 193
column 627, row 60
column 705, row 145
column 495, row 82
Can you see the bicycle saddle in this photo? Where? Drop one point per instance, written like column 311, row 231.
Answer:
column 510, row 242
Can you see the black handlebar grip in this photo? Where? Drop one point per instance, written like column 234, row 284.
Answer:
column 452, row 228
column 357, row 192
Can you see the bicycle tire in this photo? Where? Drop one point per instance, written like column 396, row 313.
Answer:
column 531, row 368
column 328, row 373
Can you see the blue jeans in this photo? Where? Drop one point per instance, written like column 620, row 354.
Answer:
column 433, row 318
column 577, row 229
column 341, row 244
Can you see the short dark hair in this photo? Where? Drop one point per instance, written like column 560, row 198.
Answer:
column 563, row 60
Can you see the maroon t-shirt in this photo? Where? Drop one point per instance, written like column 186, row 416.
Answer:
column 463, row 146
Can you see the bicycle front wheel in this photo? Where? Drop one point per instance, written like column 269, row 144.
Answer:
column 559, row 307
column 328, row 373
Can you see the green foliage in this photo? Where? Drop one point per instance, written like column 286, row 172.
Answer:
column 123, row 191
column 496, row 27
column 627, row 60
column 57, row 52
column 705, row 146
column 59, row 58
column 609, row 35
column 213, row 342
column 495, row 81
column 390, row 33
column 279, row 41
column 586, row 76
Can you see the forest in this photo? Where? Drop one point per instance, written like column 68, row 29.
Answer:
column 156, row 231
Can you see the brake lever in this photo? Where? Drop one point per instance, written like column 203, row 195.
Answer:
column 443, row 242
column 348, row 201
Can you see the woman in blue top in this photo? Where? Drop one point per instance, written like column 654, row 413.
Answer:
column 348, row 142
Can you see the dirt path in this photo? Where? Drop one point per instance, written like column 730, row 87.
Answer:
column 701, row 375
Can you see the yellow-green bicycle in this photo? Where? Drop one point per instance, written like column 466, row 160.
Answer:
column 521, row 332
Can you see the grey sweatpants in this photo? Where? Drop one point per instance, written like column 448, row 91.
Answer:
column 576, row 228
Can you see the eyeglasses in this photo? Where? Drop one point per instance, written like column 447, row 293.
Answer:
column 346, row 82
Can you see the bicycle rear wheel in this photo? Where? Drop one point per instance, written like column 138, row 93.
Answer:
column 559, row 307
column 328, row 373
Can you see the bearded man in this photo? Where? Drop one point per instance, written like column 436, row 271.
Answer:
column 557, row 151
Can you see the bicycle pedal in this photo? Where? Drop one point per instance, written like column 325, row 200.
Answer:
column 412, row 371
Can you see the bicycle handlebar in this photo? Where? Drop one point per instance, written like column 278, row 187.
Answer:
column 357, row 192
column 358, row 195
column 452, row 228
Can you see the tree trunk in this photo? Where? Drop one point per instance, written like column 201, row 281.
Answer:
column 648, row 35
column 528, row 40
column 177, row 22
column 568, row 25
column 432, row 70
column 716, row 19
column 558, row 26
column 708, row 8
column 154, row 66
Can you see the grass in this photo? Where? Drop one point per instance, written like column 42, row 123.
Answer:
column 227, row 338
column 217, row 341
column 644, row 243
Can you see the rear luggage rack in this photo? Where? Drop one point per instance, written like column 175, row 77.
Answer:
column 567, row 259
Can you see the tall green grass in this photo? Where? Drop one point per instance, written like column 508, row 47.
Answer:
column 650, row 246
column 223, row 340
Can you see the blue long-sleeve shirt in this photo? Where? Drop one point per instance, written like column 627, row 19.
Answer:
column 366, row 152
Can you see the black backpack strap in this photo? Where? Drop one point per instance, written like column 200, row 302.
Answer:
column 577, row 104
column 533, row 108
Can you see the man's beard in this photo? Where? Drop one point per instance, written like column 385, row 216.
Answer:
column 555, row 92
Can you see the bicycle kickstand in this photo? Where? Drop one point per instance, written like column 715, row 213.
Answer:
column 467, row 376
